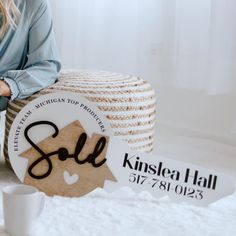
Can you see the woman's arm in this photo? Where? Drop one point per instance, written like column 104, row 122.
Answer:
column 42, row 65
column 4, row 89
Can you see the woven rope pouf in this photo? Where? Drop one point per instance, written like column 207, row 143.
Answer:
column 128, row 102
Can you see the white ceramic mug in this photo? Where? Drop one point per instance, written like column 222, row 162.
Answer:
column 22, row 205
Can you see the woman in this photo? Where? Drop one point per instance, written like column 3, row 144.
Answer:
column 28, row 54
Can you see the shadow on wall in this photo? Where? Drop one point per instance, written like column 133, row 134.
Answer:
column 191, row 113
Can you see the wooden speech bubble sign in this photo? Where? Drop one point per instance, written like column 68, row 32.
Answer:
column 62, row 144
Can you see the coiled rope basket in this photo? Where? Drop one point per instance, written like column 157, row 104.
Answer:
column 128, row 102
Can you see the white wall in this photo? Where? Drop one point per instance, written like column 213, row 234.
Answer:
column 178, row 43
column 195, row 113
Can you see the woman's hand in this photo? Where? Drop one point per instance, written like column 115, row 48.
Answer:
column 4, row 89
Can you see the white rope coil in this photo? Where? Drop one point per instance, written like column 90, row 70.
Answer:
column 128, row 102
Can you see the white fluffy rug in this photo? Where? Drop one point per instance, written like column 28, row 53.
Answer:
column 126, row 213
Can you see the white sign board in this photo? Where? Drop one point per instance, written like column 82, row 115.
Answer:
column 62, row 144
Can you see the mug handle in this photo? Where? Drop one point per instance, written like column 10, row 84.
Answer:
column 41, row 203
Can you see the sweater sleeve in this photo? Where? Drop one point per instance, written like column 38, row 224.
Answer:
column 42, row 65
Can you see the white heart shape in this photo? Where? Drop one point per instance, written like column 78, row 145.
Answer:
column 70, row 179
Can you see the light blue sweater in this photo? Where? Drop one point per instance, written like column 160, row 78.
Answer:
column 29, row 59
